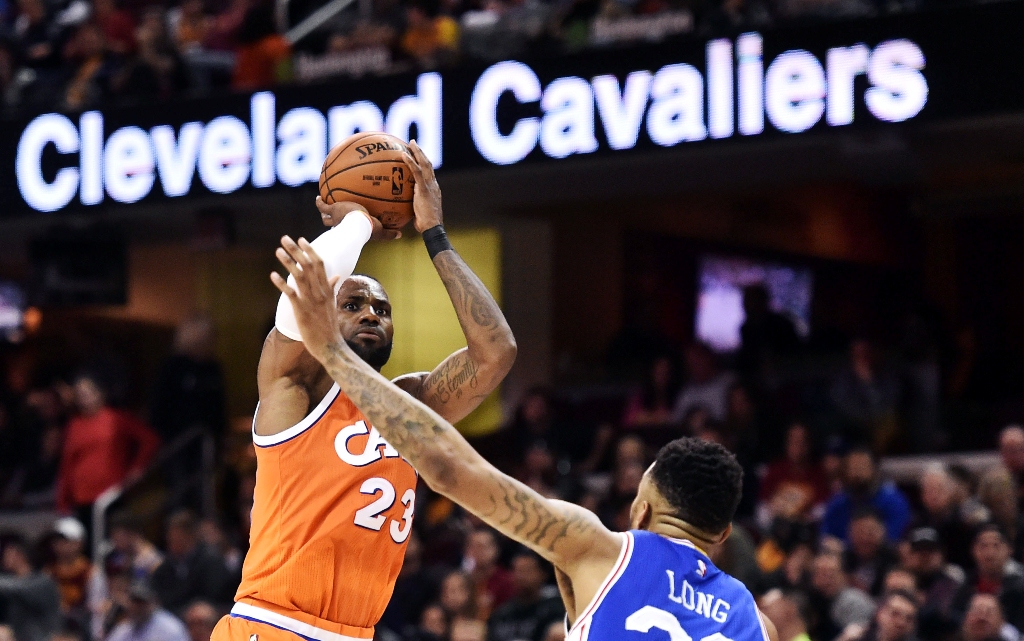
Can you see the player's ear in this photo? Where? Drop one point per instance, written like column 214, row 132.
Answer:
column 724, row 535
column 643, row 516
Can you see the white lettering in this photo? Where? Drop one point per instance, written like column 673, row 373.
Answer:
column 677, row 113
column 704, row 603
column 899, row 89
column 303, row 136
column 90, row 159
column 720, row 117
column 128, row 165
column 43, row 130
column 422, row 110
column 520, row 80
column 263, row 108
column 371, row 451
column 718, row 614
column 794, row 91
column 224, row 155
column 622, row 113
column 176, row 160
column 672, row 587
column 844, row 64
column 687, row 595
column 362, row 115
column 751, row 84
column 568, row 124
column 650, row 617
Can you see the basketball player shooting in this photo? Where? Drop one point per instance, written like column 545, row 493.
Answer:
column 333, row 503
column 655, row 582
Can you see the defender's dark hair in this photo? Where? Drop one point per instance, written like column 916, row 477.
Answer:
column 701, row 480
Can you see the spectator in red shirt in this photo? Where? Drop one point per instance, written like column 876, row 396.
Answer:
column 494, row 584
column 118, row 27
column 795, row 485
column 651, row 406
column 103, row 447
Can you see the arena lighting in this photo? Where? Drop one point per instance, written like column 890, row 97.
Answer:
column 794, row 92
column 226, row 152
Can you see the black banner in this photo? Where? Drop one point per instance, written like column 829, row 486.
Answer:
column 939, row 65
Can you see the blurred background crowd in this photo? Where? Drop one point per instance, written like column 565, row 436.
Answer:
column 840, row 307
column 834, row 548
column 79, row 54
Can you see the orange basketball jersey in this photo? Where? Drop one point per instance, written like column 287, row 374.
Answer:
column 331, row 517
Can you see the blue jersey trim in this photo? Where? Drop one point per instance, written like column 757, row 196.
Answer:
column 299, row 428
column 301, row 636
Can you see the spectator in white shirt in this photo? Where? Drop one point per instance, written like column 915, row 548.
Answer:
column 706, row 387
column 147, row 621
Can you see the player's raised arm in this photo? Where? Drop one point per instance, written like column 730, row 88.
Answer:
column 463, row 380
column 560, row 532
column 284, row 369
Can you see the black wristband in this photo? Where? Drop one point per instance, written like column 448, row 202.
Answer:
column 436, row 241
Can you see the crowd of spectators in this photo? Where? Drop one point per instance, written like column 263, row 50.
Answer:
column 833, row 550
column 77, row 54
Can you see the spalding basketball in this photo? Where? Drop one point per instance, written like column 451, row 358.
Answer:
column 368, row 169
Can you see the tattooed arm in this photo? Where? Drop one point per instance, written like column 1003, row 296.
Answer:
column 462, row 381
column 570, row 537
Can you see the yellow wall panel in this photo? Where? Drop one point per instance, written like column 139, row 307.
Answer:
column 426, row 328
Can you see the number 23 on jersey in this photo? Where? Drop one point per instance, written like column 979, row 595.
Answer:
column 372, row 516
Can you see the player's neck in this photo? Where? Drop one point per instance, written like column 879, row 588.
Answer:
column 675, row 528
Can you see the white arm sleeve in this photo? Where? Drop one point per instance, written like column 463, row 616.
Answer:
column 339, row 248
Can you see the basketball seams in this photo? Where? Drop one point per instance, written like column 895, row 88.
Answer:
column 362, row 164
column 337, row 184
column 331, row 190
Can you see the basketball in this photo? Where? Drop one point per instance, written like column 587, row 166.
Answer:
column 367, row 168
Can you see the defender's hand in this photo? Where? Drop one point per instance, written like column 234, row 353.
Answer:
column 332, row 214
column 426, row 201
column 312, row 298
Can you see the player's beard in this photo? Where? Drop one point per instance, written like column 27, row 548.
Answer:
column 375, row 356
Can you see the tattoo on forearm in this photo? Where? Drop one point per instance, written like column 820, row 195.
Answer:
column 470, row 297
column 402, row 424
column 452, row 379
column 426, row 441
column 520, row 514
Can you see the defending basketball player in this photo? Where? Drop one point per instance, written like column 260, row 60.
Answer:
column 333, row 503
column 655, row 582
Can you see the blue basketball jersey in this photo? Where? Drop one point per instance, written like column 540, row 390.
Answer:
column 663, row 589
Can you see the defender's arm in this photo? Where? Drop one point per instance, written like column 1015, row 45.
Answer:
column 567, row 535
column 462, row 381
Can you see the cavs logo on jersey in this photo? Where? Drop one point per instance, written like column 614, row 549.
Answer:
column 375, row 449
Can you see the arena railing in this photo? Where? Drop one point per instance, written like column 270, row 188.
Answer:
column 204, row 475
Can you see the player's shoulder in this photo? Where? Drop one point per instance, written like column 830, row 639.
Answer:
column 411, row 383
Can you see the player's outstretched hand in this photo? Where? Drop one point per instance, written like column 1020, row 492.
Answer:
column 332, row 214
column 312, row 296
column 426, row 200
